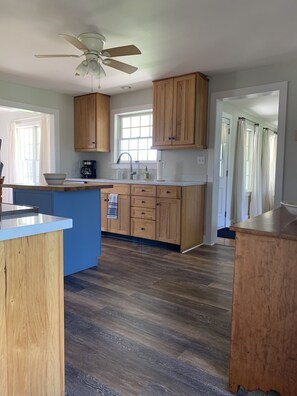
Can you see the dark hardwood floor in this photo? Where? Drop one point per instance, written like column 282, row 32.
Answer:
column 149, row 321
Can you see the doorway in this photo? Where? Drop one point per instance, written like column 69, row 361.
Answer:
column 216, row 111
column 21, row 158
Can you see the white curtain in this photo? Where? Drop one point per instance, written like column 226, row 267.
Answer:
column 268, row 168
column 256, row 179
column 11, row 165
column 45, row 147
column 240, row 199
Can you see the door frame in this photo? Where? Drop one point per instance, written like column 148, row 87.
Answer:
column 227, row 191
column 216, row 110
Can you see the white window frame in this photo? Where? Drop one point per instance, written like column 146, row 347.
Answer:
column 117, row 116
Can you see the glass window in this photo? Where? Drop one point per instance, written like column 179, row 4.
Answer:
column 135, row 136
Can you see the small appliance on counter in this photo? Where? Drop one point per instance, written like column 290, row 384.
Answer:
column 88, row 169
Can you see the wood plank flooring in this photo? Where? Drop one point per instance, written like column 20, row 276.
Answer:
column 149, row 322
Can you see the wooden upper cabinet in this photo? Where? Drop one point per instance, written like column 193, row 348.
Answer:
column 180, row 112
column 91, row 122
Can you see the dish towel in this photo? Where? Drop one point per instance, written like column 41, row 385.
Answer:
column 112, row 210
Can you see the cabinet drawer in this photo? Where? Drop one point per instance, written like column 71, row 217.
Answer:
column 143, row 202
column 141, row 189
column 143, row 213
column 143, row 228
column 123, row 189
column 169, row 192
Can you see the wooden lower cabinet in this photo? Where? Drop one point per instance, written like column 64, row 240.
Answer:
column 171, row 214
column 168, row 220
column 121, row 225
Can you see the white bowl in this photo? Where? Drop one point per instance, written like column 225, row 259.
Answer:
column 55, row 178
column 291, row 207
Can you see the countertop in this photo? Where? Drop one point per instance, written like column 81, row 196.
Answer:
column 27, row 224
column 67, row 186
column 276, row 223
column 129, row 181
column 7, row 210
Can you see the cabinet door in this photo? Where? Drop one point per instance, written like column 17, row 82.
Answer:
column 84, row 122
column 162, row 112
column 184, row 92
column 121, row 225
column 104, row 204
column 168, row 220
column 102, row 123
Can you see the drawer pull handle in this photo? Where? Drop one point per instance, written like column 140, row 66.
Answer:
column 142, row 228
column 142, row 213
column 143, row 190
column 168, row 192
column 106, row 200
column 142, row 201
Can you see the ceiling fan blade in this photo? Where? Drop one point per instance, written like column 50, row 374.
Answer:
column 56, row 56
column 121, row 51
column 74, row 41
column 124, row 67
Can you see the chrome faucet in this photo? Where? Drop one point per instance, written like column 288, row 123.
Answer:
column 131, row 169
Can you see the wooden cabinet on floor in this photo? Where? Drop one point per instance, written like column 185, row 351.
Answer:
column 91, row 122
column 121, row 225
column 180, row 112
column 172, row 214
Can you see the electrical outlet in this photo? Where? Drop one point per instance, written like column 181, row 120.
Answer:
column 200, row 160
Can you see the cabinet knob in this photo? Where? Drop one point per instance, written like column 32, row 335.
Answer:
column 142, row 201
column 106, row 200
column 157, row 204
column 143, row 190
column 168, row 192
column 142, row 228
column 142, row 213
column 170, row 138
column 173, row 138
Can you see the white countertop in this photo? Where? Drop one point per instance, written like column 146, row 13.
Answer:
column 129, row 181
column 17, row 226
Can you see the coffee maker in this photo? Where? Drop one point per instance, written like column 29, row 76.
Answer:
column 88, row 169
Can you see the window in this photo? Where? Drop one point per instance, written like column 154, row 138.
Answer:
column 27, row 152
column 134, row 131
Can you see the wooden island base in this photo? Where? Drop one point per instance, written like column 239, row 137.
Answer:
column 32, row 315
column 264, row 324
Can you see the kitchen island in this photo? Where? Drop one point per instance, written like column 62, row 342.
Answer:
column 264, row 326
column 31, row 302
column 78, row 201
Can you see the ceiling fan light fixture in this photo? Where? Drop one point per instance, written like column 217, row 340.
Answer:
column 82, row 69
column 94, row 68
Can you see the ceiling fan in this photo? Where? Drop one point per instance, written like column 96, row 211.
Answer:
column 92, row 46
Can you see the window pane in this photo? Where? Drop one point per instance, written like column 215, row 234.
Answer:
column 145, row 120
column 124, row 145
column 145, row 131
column 126, row 122
column 143, row 144
column 133, row 144
column 135, row 132
column 133, row 155
column 135, row 121
column 126, row 133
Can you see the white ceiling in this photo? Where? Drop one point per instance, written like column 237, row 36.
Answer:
column 175, row 37
column 264, row 106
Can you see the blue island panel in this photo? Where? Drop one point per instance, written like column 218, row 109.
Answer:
column 82, row 243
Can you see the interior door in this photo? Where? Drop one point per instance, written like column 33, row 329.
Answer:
column 223, row 172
